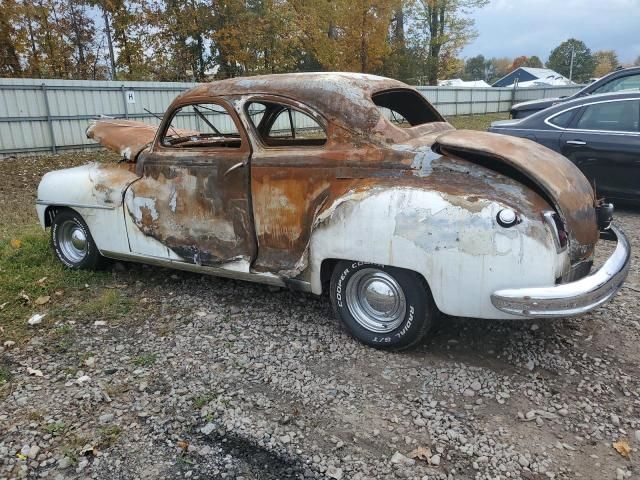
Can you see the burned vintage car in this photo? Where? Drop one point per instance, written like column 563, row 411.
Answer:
column 342, row 183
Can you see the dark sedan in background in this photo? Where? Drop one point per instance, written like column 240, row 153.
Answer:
column 599, row 133
column 616, row 81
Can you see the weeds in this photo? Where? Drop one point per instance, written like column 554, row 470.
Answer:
column 145, row 360
column 109, row 435
column 56, row 428
column 5, row 375
column 200, row 401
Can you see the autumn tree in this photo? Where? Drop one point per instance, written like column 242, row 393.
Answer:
column 346, row 34
column 498, row 68
column 10, row 40
column 403, row 62
column 415, row 40
column 475, row 68
column 534, row 62
column 606, row 61
column 445, row 30
column 583, row 62
column 518, row 62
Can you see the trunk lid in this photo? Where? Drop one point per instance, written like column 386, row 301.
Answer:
column 558, row 179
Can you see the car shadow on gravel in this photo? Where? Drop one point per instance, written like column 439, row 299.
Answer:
column 251, row 460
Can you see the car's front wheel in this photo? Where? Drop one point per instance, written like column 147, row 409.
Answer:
column 384, row 307
column 72, row 242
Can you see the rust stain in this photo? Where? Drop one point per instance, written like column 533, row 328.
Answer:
column 567, row 188
column 125, row 137
column 109, row 181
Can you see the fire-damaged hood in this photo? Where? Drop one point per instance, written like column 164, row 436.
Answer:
column 126, row 137
column 555, row 177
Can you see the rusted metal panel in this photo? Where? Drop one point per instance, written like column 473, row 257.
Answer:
column 125, row 137
column 196, row 202
column 559, row 178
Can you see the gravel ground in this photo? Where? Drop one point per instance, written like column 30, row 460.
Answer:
column 224, row 379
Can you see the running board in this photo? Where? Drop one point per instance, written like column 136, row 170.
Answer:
column 264, row 278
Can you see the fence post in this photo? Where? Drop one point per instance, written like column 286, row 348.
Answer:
column 455, row 99
column 124, row 101
column 513, row 94
column 54, row 150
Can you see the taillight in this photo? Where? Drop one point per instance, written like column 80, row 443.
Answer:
column 558, row 230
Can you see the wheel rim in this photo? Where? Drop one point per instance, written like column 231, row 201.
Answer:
column 376, row 300
column 72, row 241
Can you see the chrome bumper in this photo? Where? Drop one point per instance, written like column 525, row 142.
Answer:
column 571, row 298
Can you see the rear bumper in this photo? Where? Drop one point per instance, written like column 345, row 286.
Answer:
column 571, row 298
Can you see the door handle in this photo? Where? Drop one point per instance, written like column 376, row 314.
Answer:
column 233, row 167
column 576, row 142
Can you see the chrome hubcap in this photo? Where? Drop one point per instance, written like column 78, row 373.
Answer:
column 375, row 300
column 72, row 241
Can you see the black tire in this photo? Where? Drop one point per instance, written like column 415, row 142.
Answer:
column 406, row 330
column 88, row 258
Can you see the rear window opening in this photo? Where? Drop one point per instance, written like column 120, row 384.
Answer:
column 406, row 108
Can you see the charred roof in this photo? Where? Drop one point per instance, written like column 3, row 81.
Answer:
column 344, row 98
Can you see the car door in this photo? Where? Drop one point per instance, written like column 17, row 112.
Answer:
column 293, row 171
column 604, row 142
column 193, row 202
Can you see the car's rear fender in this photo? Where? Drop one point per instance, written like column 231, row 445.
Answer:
column 457, row 246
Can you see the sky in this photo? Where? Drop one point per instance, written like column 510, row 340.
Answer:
column 510, row 28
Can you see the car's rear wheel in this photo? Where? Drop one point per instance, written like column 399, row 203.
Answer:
column 72, row 242
column 385, row 307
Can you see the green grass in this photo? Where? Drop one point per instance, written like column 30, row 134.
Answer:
column 200, row 401
column 29, row 270
column 109, row 436
column 145, row 360
column 476, row 122
column 5, row 375
column 56, row 429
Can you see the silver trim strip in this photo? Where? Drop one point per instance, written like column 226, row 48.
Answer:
column 609, row 132
column 265, row 278
column 233, row 167
column 572, row 298
column 76, row 205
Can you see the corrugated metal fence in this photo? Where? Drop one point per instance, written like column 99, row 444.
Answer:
column 40, row 116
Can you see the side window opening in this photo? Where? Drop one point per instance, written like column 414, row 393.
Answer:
column 201, row 125
column 405, row 108
column 282, row 125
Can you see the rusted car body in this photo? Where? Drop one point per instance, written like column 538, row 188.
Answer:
column 496, row 226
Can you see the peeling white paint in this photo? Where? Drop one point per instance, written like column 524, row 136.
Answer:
column 452, row 247
column 138, row 204
column 126, row 153
column 173, row 201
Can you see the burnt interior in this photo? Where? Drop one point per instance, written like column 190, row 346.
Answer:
column 408, row 105
column 265, row 115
